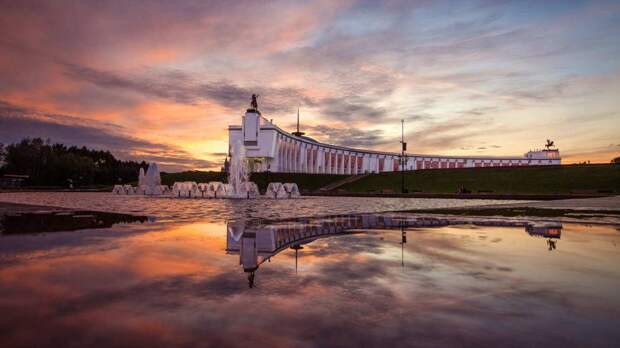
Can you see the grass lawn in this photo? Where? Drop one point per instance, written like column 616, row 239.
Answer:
column 305, row 182
column 603, row 178
column 196, row 175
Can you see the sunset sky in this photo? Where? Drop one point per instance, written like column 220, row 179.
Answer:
column 162, row 80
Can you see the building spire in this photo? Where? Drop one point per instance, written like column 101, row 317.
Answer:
column 298, row 133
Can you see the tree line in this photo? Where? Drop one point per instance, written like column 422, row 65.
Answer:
column 48, row 164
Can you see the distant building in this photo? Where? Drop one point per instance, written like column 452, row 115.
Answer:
column 269, row 148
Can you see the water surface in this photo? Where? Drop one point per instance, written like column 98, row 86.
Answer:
column 372, row 280
column 213, row 210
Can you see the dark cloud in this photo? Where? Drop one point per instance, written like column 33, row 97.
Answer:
column 17, row 123
column 349, row 109
column 449, row 134
column 180, row 87
column 351, row 137
column 478, row 111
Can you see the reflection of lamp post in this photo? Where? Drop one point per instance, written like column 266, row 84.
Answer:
column 403, row 240
column 296, row 247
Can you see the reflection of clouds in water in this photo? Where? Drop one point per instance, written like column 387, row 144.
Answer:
column 351, row 290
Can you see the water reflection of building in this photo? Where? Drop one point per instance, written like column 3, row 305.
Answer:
column 552, row 232
column 256, row 242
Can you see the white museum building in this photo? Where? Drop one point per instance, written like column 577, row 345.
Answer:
column 269, row 148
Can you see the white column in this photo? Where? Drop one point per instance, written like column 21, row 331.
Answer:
column 302, row 158
column 328, row 161
column 341, row 164
column 336, row 165
column 315, row 160
column 288, row 156
column 276, row 159
column 364, row 164
column 374, row 163
column 299, row 156
column 348, row 167
column 311, row 166
column 295, row 156
column 280, row 160
column 284, row 154
column 338, row 162
column 278, row 149
column 291, row 156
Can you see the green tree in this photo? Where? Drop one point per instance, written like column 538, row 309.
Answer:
column 57, row 164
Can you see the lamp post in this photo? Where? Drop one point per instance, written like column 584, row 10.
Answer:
column 402, row 156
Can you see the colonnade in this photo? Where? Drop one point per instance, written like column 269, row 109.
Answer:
column 294, row 156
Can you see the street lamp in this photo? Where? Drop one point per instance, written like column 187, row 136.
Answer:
column 402, row 156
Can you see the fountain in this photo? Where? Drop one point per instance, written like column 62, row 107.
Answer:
column 128, row 189
column 149, row 184
column 187, row 189
column 276, row 190
column 238, row 186
column 291, row 190
column 238, row 174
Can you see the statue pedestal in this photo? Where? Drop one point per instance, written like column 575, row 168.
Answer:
column 251, row 127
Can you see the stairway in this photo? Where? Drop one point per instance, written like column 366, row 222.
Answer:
column 347, row 180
